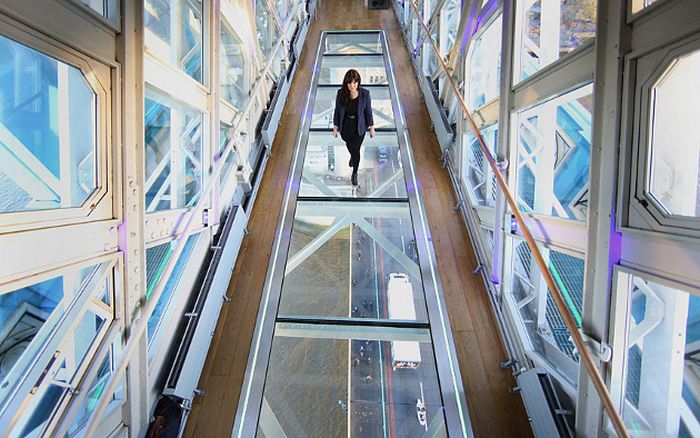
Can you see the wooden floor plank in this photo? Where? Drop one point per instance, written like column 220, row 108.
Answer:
column 494, row 412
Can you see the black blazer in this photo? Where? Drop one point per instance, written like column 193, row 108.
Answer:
column 364, row 112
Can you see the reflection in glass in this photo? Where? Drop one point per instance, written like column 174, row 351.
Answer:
column 334, row 381
column 477, row 174
column 29, row 314
column 173, row 154
column 550, row 30
column 327, row 172
column 371, row 69
column 661, row 383
column 226, row 132
column 674, row 138
column 449, row 24
column 48, row 132
column 342, row 257
column 97, row 5
column 554, row 148
column 430, row 62
column 539, row 315
column 232, row 70
column 174, row 33
column 63, row 374
column 638, row 5
column 484, row 65
column 351, row 44
column 156, row 259
column 266, row 27
column 97, row 387
column 283, row 9
column 325, row 104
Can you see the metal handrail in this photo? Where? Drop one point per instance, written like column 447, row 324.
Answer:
column 584, row 354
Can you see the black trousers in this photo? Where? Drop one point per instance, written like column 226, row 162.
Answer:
column 353, row 143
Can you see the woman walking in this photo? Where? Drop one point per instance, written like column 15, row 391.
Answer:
column 353, row 117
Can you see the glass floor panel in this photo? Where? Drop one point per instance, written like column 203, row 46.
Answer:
column 371, row 69
column 344, row 255
column 325, row 104
column 344, row 346
column 349, row 381
column 353, row 44
column 327, row 172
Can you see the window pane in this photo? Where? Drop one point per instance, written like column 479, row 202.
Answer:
column 173, row 154
column 63, row 375
column 266, row 28
column 47, row 132
column 174, row 33
column 283, row 8
column 233, row 80
column 638, row 5
column 156, row 259
column 225, row 137
column 554, row 148
column 449, row 24
column 350, row 44
column 27, row 317
column 539, row 315
column 332, row 381
column 96, row 388
column 430, row 63
column 484, row 65
column 97, row 5
column 550, row 30
column 663, row 352
column 675, row 139
column 476, row 172
column 107, row 8
column 354, row 260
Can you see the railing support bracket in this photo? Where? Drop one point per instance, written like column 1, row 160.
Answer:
column 601, row 350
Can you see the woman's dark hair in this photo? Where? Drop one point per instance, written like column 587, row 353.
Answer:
column 351, row 75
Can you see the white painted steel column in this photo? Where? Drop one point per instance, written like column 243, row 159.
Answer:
column 131, row 230
column 603, row 246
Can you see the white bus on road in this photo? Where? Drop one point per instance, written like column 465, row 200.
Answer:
column 404, row 354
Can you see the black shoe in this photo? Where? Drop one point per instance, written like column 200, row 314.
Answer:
column 354, row 178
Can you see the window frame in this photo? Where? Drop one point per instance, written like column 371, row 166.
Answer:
column 228, row 26
column 100, row 204
column 645, row 68
column 616, row 379
column 109, row 268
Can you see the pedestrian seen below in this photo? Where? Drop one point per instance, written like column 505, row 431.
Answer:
column 352, row 117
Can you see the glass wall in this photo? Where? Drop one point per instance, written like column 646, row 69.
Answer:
column 174, row 34
column 234, row 82
column 484, row 65
column 549, row 29
column 478, row 176
column 656, row 375
column 173, row 154
column 530, row 300
column 48, row 131
column 107, row 140
column 266, row 27
column 554, row 148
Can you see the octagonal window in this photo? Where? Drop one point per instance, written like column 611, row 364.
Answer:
column 674, row 141
column 47, row 132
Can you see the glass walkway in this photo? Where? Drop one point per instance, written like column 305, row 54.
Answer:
column 352, row 337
